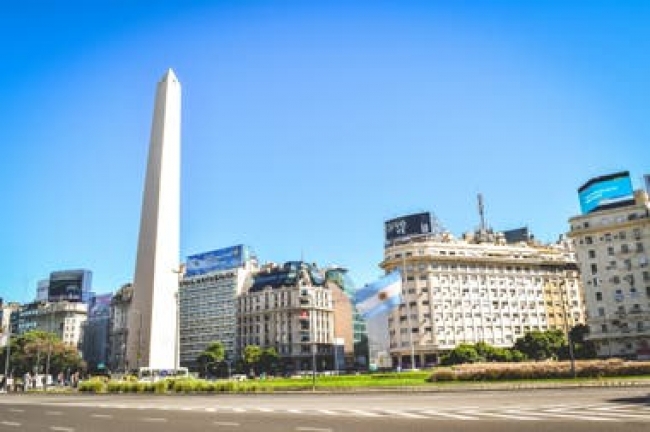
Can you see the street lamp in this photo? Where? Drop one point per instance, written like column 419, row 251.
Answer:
column 562, row 286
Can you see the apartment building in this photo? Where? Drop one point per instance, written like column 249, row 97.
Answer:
column 63, row 318
column 118, row 329
column 612, row 238
column 208, row 300
column 301, row 311
column 479, row 288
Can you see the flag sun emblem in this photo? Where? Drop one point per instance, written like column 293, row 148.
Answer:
column 383, row 296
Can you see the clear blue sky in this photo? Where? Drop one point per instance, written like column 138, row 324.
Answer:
column 307, row 124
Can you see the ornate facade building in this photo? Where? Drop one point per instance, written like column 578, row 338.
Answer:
column 481, row 288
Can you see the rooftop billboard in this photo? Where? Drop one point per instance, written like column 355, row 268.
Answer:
column 69, row 285
column 406, row 226
column 216, row 260
column 605, row 190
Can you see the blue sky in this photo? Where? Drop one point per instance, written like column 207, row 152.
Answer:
column 306, row 125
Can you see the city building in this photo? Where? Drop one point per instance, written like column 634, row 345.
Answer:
column 96, row 332
column 208, row 300
column 63, row 318
column 296, row 309
column 8, row 314
column 340, row 277
column 479, row 288
column 42, row 290
column 156, row 280
column 118, row 330
column 612, row 237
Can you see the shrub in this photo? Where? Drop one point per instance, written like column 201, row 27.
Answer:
column 93, row 385
column 441, row 375
column 539, row 370
column 160, row 387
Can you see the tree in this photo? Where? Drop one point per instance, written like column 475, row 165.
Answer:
column 211, row 356
column 252, row 356
column 40, row 352
column 538, row 345
column 463, row 353
column 493, row 354
column 269, row 360
column 583, row 349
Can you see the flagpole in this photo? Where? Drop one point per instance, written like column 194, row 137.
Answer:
column 408, row 311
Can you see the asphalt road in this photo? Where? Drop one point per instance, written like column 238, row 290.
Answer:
column 593, row 409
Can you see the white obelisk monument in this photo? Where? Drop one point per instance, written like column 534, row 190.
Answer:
column 153, row 318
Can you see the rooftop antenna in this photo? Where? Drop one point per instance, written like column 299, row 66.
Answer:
column 481, row 212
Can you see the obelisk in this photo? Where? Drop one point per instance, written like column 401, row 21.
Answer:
column 153, row 319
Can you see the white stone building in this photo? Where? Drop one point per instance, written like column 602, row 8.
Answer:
column 613, row 245
column 475, row 289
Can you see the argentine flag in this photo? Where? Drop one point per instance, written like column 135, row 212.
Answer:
column 380, row 296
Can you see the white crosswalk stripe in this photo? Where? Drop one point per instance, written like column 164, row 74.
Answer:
column 365, row 413
column 404, row 414
column 454, row 416
column 506, row 414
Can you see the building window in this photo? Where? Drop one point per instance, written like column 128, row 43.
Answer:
column 594, row 269
column 592, row 253
column 599, row 296
column 639, row 247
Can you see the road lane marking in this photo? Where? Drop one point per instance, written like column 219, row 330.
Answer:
column 211, row 410
column 218, row 423
column 16, row 410
column 10, row 423
column 153, row 419
column 327, row 412
column 61, row 429
column 516, row 415
column 106, row 416
column 575, row 415
column 239, row 410
column 449, row 415
column 312, row 429
column 294, row 411
column 365, row 413
column 404, row 414
column 620, row 414
column 266, row 410
column 54, row 413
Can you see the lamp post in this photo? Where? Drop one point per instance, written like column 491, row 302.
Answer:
column 562, row 286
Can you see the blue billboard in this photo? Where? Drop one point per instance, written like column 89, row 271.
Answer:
column 220, row 259
column 605, row 190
